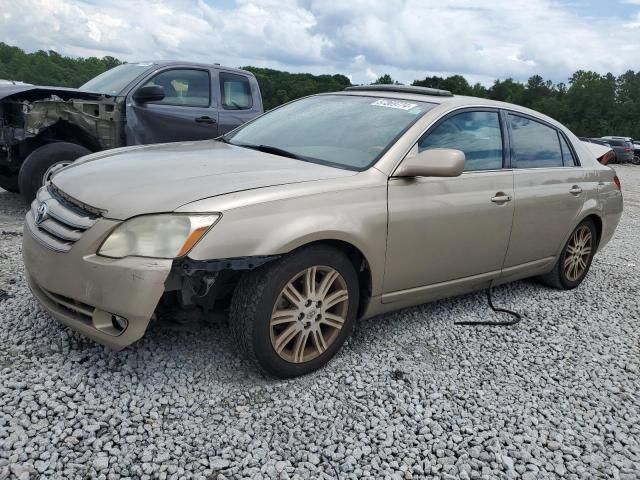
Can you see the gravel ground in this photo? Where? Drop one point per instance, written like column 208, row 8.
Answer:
column 410, row 396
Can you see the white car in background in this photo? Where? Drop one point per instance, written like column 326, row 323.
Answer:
column 603, row 153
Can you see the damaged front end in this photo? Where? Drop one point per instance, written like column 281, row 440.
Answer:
column 201, row 289
column 32, row 116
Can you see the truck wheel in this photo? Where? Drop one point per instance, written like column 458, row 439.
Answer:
column 9, row 183
column 39, row 164
column 290, row 316
column 636, row 160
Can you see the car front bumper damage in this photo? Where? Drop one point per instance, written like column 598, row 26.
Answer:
column 108, row 300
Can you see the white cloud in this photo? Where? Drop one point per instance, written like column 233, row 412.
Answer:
column 407, row 38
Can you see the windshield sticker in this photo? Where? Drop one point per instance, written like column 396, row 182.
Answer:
column 394, row 104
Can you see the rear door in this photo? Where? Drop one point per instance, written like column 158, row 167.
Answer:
column 452, row 229
column 238, row 102
column 550, row 188
column 187, row 111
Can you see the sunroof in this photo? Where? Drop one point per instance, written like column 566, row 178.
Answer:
column 403, row 89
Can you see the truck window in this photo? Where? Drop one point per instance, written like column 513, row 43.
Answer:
column 185, row 87
column 235, row 91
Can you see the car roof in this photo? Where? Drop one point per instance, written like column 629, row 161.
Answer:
column 178, row 63
column 445, row 99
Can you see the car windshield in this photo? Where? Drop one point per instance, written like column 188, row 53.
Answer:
column 113, row 81
column 345, row 131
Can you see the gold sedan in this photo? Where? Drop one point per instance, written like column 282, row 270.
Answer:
column 331, row 208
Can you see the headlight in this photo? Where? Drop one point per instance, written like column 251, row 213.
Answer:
column 157, row 236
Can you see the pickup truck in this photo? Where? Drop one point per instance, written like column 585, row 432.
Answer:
column 43, row 129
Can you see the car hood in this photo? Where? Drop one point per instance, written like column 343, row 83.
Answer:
column 34, row 92
column 160, row 178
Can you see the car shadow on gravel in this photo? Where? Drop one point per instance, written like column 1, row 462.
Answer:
column 208, row 347
column 421, row 340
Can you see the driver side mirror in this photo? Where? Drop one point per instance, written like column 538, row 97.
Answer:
column 149, row 93
column 436, row 162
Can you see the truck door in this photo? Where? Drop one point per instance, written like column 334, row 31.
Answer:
column 239, row 102
column 185, row 113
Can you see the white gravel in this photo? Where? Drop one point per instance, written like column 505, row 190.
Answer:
column 411, row 395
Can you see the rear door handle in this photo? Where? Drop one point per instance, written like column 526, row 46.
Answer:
column 501, row 197
column 205, row 119
column 575, row 190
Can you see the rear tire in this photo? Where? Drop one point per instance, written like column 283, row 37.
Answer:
column 9, row 183
column 575, row 260
column 261, row 314
column 43, row 158
column 636, row 160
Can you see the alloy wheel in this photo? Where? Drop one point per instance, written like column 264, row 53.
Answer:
column 309, row 314
column 578, row 253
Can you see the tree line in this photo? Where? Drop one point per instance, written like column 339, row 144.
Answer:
column 590, row 104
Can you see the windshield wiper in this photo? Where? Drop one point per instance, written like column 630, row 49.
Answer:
column 270, row 149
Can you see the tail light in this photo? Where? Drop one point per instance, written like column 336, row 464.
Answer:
column 616, row 180
column 610, row 156
column 627, row 149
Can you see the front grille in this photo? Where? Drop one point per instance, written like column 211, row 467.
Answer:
column 63, row 221
column 73, row 308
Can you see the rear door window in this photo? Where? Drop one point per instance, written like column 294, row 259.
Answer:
column 235, row 91
column 477, row 134
column 534, row 144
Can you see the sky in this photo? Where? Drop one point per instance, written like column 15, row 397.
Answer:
column 409, row 39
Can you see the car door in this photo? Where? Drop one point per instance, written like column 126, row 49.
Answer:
column 550, row 188
column 185, row 113
column 445, row 231
column 237, row 104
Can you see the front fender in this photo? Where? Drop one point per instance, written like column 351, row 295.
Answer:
column 358, row 217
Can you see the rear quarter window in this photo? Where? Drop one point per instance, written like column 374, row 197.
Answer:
column 568, row 159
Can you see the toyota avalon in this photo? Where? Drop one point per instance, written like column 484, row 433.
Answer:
column 329, row 209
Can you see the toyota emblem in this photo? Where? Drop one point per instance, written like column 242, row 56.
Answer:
column 41, row 213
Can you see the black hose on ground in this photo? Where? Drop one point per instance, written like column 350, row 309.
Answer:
column 516, row 316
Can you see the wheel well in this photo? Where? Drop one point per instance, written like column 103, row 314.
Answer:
column 64, row 132
column 231, row 269
column 69, row 132
column 597, row 221
column 360, row 264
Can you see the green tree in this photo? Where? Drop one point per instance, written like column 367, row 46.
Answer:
column 279, row 87
column 385, row 80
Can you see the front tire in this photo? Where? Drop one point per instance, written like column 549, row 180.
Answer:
column 291, row 316
column 576, row 257
column 41, row 161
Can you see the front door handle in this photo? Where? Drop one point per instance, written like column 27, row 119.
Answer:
column 501, row 197
column 205, row 119
column 575, row 190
